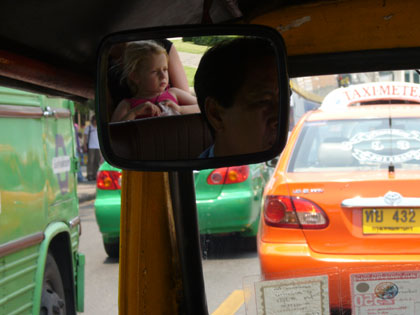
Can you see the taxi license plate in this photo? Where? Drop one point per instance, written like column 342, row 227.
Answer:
column 391, row 221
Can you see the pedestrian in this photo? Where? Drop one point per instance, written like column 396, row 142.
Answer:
column 91, row 147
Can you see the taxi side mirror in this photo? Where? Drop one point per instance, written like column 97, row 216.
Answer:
column 273, row 162
column 233, row 110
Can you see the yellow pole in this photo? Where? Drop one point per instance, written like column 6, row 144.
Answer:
column 150, row 279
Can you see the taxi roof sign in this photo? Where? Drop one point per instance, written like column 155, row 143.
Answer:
column 355, row 95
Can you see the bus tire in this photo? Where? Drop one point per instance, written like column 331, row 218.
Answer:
column 52, row 299
column 112, row 249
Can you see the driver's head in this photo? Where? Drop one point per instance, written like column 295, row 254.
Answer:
column 237, row 90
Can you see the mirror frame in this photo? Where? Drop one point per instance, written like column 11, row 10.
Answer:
column 190, row 31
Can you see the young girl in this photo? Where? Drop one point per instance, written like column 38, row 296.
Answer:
column 146, row 72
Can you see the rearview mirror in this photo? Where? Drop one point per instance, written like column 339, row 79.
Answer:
column 192, row 97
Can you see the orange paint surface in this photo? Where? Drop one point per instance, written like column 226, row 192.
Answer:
column 343, row 243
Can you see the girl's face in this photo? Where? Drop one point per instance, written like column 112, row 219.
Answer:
column 152, row 76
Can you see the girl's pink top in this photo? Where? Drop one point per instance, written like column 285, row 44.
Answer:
column 164, row 96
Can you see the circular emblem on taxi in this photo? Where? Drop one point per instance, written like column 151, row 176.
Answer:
column 393, row 198
column 386, row 290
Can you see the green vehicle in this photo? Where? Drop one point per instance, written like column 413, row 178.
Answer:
column 41, row 271
column 107, row 207
column 228, row 201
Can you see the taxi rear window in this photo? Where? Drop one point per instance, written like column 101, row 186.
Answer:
column 357, row 144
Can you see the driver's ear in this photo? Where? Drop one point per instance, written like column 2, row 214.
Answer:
column 214, row 113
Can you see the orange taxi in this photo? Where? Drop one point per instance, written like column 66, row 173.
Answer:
column 346, row 194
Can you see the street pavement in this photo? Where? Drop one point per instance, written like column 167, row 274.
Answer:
column 86, row 191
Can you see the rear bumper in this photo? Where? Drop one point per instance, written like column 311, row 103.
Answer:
column 230, row 212
column 277, row 260
column 108, row 212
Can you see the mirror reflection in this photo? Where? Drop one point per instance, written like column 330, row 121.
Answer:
column 145, row 74
column 191, row 98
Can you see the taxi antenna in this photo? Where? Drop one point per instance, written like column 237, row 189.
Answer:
column 391, row 167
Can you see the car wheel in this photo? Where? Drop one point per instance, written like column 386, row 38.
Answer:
column 53, row 301
column 213, row 246
column 204, row 245
column 112, row 249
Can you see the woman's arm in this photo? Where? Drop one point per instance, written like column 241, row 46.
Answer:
column 177, row 75
column 184, row 98
column 187, row 102
column 190, row 109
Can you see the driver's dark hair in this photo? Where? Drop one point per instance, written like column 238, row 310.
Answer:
column 224, row 67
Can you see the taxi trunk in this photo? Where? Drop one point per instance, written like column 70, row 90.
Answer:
column 362, row 210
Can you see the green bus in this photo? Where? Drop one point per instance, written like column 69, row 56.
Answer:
column 41, row 270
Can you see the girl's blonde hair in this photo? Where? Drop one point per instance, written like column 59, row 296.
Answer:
column 136, row 55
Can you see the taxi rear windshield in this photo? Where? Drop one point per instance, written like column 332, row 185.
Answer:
column 366, row 144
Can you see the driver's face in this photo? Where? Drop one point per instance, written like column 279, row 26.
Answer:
column 250, row 124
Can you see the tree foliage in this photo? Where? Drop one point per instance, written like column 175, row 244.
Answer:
column 206, row 40
column 85, row 107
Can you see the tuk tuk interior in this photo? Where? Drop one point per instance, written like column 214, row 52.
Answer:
column 52, row 48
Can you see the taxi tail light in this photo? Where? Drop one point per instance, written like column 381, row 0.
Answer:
column 293, row 212
column 109, row 180
column 228, row 175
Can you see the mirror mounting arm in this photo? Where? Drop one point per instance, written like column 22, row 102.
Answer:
column 188, row 240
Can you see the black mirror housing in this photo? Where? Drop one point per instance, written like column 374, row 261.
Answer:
column 177, row 142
